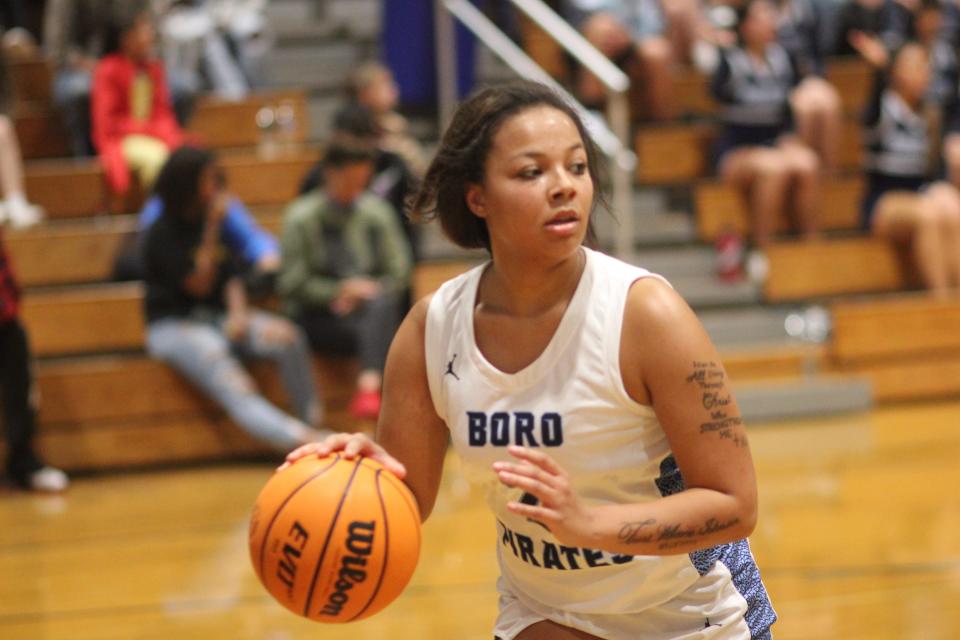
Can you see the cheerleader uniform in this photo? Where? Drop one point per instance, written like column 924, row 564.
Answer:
column 754, row 98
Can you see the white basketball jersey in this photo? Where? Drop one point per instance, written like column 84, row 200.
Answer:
column 572, row 403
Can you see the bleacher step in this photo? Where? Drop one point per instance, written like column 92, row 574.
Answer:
column 357, row 18
column 746, row 327
column 803, row 397
column 680, row 261
column 706, row 291
column 322, row 67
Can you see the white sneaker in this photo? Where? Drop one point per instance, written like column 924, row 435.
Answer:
column 757, row 267
column 48, row 480
column 23, row 214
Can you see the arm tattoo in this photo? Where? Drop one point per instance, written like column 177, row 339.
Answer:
column 715, row 398
column 670, row 536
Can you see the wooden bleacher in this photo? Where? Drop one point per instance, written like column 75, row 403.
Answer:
column 908, row 346
column 851, row 76
column 217, row 123
column 803, row 270
column 97, row 385
column 70, row 188
column 689, row 148
column 720, row 206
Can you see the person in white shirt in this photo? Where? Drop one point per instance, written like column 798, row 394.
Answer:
column 577, row 389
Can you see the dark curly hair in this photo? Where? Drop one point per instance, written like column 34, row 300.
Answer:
column 460, row 160
column 178, row 184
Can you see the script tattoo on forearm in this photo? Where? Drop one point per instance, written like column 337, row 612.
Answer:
column 715, row 398
column 670, row 536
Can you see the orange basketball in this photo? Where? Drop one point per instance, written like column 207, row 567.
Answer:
column 335, row 540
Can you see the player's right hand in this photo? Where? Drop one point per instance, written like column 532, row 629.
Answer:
column 350, row 445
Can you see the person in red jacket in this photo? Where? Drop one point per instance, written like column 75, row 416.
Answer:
column 134, row 126
column 24, row 468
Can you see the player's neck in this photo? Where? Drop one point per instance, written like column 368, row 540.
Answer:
column 522, row 289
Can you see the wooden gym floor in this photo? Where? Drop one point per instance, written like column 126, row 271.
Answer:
column 859, row 538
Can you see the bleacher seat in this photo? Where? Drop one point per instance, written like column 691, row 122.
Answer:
column 908, row 346
column 804, row 270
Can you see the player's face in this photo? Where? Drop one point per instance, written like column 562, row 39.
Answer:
column 537, row 191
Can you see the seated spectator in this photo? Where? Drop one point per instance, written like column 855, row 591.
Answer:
column 74, row 38
column 632, row 34
column 221, row 41
column 345, row 265
column 859, row 18
column 198, row 319
column 134, row 127
column 758, row 150
column 393, row 178
column 905, row 201
column 921, row 22
column 816, row 103
column 14, row 207
column 372, row 87
column 255, row 245
column 24, row 467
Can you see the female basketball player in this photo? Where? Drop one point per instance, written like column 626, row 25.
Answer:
column 580, row 388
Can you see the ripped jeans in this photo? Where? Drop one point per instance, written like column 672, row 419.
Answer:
column 198, row 349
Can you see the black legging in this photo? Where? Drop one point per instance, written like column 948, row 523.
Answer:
column 19, row 417
column 365, row 332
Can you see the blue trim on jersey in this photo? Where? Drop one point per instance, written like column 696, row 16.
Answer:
column 736, row 556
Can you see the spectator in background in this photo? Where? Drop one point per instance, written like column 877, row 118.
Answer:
column 134, row 127
column 921, row 22
column 906, row 201
column 257, row 247
column 198, row 319
column 24, row 466
column 17, row 38
column 345, row 265
column 758, row 151
column 924, row 22
column 14, row 207
column 816, row 103
column 221, row 41
column 74, row 38
column 369, row 115
column 372, row 87
column 633, row 35
column 858, row 18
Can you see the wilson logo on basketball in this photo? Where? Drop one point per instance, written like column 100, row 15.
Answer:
column 359, row 544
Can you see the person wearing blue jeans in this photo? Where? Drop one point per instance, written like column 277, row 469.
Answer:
column 198, row 320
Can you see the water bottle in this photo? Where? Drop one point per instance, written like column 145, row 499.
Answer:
column 286, row 122
column 267, row 126
column 729, row 255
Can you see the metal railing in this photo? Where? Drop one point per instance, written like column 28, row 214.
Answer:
column 613, row 141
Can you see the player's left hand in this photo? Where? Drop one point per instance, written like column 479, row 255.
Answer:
column 558, row 508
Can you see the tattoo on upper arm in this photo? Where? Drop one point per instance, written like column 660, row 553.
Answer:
column 716, row 398
column 670, row 536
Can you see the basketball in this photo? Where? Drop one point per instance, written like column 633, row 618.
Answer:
column 335, row 540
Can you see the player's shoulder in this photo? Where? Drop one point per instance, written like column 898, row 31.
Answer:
column 654, row 306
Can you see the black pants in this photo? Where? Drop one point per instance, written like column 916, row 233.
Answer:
column 366, row 332
column 19, row 417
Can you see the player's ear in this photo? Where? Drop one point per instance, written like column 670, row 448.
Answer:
column 476, row 200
